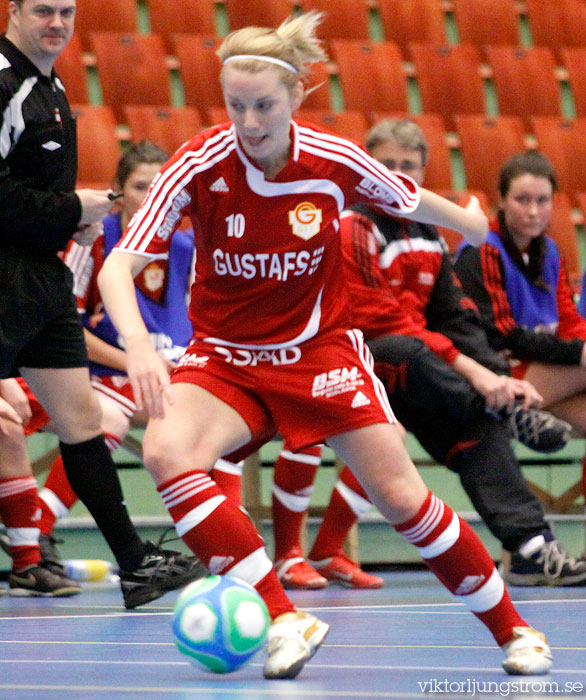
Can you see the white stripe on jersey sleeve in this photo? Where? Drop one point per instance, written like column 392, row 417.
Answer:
column 345, row 152
column 159, row 202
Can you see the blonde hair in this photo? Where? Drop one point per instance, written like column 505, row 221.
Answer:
column 294, row 42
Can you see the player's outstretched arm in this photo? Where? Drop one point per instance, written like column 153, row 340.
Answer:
column 471, row 221
column 146, row 370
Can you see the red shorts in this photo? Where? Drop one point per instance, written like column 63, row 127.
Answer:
column 40, row 417
column 118, row 389
column 519, row 368
column 306, row 393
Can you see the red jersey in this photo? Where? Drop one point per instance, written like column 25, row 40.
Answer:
column 269, row 270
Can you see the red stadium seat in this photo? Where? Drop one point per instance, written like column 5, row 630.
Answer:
column 525, row 80
column 406, row 21
column 449, row 79
column 485, row 144
column 581, row 199
column 168, row 17
column 557, row 24
column 438, row 172
column 71, row 69
column 98, row 145
column 168, row 127
column 477, row 20
column 574, row 59
column 385, row 90
column 563, row 231
column 351, row 125
column 343, row 19
column 453, row 238
column 3, row 15
column 563, row 141
column 244, row 13
column 147, row 82
column 199, row 68
column 218, row 115
column 92, row 16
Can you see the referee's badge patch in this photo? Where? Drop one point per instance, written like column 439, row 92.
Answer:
column 305, row 220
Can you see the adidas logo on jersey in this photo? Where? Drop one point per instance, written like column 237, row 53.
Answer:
column 360, row 400
column 219, row 186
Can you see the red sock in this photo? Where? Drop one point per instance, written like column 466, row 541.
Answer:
column 457, row 557
column 292, row 488
column 347, row 503
column 57, row 497
column 19, row 507
column 221, row 536
column 228, row 476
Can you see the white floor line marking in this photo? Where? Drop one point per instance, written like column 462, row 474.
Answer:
column 55, row 618
column 371, row 609
column 295, row 692
column 314, row 664
column 326, row 645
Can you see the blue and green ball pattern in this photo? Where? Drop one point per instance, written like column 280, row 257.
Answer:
column 220, row 623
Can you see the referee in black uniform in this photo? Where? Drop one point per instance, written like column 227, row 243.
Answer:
column 40, row 334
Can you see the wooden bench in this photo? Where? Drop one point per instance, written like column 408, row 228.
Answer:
column 565, row 502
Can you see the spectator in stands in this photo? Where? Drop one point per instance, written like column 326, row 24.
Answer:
column 446, row 385
column 40, row 334
column 519, row 283
column 161, row 291
column 272, row 347
column 19, row 504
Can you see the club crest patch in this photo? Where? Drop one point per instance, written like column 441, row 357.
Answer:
column 305, row 220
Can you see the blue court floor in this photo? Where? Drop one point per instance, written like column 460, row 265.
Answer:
column 407, row 640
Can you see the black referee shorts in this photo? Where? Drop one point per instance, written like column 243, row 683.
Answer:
column 39, row 321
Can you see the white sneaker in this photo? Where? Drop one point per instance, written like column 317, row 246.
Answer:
column 528, row 653
column 294, row 637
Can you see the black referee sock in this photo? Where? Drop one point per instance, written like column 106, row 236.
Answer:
column 92, row 475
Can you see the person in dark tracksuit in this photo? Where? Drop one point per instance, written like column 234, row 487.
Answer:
column 40, row 333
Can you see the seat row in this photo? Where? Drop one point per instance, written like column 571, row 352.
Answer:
column 481, row 144
column 550, row 23
column 443, row 79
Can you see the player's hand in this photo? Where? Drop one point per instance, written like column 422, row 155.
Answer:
column 480, row 222
column 95, row 205
column 497, row 390
column 148, row 376
column 13, row 394
column 169, row 364
column 86, row 235
column 525, row 390
column 7, row 413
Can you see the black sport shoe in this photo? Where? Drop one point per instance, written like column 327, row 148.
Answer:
column 537, row 429
column 49, row 554
column 38, row 580
column 160, row 571
column 551, row 565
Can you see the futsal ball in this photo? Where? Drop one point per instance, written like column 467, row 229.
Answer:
column 219, row 623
